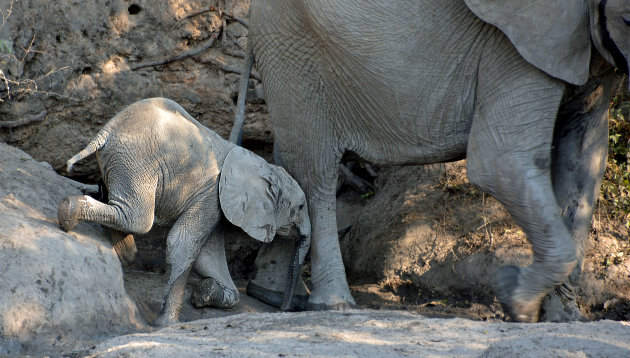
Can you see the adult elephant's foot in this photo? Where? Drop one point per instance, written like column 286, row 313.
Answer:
column 211, row 293
column 560, row 305
column 332, row 298
column 519, row 308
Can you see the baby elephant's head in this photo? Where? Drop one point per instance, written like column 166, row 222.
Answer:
column 261, row 198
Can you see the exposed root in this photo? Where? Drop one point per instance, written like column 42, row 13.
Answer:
column 24, row 121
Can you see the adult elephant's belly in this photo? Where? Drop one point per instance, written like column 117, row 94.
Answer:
column 401, row 85
column 407, row 121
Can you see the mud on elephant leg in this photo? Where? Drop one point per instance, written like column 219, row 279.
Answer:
column 579, row 161
column 270, row 279
column 216, row 289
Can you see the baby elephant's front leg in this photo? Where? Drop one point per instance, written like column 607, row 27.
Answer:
column 183, row 245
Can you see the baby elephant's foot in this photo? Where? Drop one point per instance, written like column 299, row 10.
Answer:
column 210, row 293
column 523, row 310
column 69, row 212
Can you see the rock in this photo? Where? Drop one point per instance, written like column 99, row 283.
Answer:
column 58, row 290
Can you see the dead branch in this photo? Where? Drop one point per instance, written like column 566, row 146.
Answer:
column 211, row 9
column 6, row 17
column 235, row 69
column 20, row 122
column 357, row 183
column 224, row 33
column 370, row 170
column 237, row 19
column 190, row 53
column 196, row 13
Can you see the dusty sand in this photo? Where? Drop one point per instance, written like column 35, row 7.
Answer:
column 368, row 333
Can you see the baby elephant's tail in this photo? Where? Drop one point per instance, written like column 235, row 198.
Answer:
column 95, row 144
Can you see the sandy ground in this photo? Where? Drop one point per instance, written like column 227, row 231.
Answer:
column 253, row 329
column 369, row 333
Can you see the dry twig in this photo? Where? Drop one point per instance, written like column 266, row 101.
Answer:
column 6, row 17
column 211, row 9
column 190, row 53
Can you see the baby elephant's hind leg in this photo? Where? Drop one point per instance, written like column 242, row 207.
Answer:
column 79, row 208
column 131, row 206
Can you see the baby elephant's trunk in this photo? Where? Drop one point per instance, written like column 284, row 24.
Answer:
column 299, row 254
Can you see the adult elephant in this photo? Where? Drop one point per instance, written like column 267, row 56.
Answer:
column 425, row 81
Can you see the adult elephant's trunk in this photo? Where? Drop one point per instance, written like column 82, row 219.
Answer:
column 299, row 254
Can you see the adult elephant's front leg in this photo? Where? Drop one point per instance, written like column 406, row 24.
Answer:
column 328, row 275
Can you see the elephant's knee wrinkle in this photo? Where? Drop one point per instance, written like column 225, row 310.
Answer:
column 136, row 223
column 143, row 227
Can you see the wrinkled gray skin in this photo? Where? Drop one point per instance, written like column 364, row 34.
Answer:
column 416, row 82
column 161, row 165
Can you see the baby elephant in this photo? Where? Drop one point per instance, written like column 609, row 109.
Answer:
column 160, row 164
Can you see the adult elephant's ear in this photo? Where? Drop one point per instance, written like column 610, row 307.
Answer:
column 247, row 195
column 552, row 35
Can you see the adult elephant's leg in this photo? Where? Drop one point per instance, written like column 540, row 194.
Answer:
column 328, row 275
column 578, row 164
column 509, row 156
column 216, row 289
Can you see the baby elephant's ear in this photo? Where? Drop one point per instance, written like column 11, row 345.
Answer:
column 247, row 194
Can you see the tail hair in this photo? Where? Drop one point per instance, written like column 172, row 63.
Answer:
column 95, row 144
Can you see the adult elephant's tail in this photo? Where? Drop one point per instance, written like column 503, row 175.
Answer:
column 236, row 135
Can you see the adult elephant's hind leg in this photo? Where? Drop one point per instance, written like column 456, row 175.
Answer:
column 509, row 156
column 578, row 164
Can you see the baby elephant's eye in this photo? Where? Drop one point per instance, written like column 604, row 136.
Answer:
column 301, row 207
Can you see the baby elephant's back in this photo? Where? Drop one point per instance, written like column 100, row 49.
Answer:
column 156, row 138
column 156, row 129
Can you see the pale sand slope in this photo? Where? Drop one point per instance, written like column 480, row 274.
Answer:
column 366, row 333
